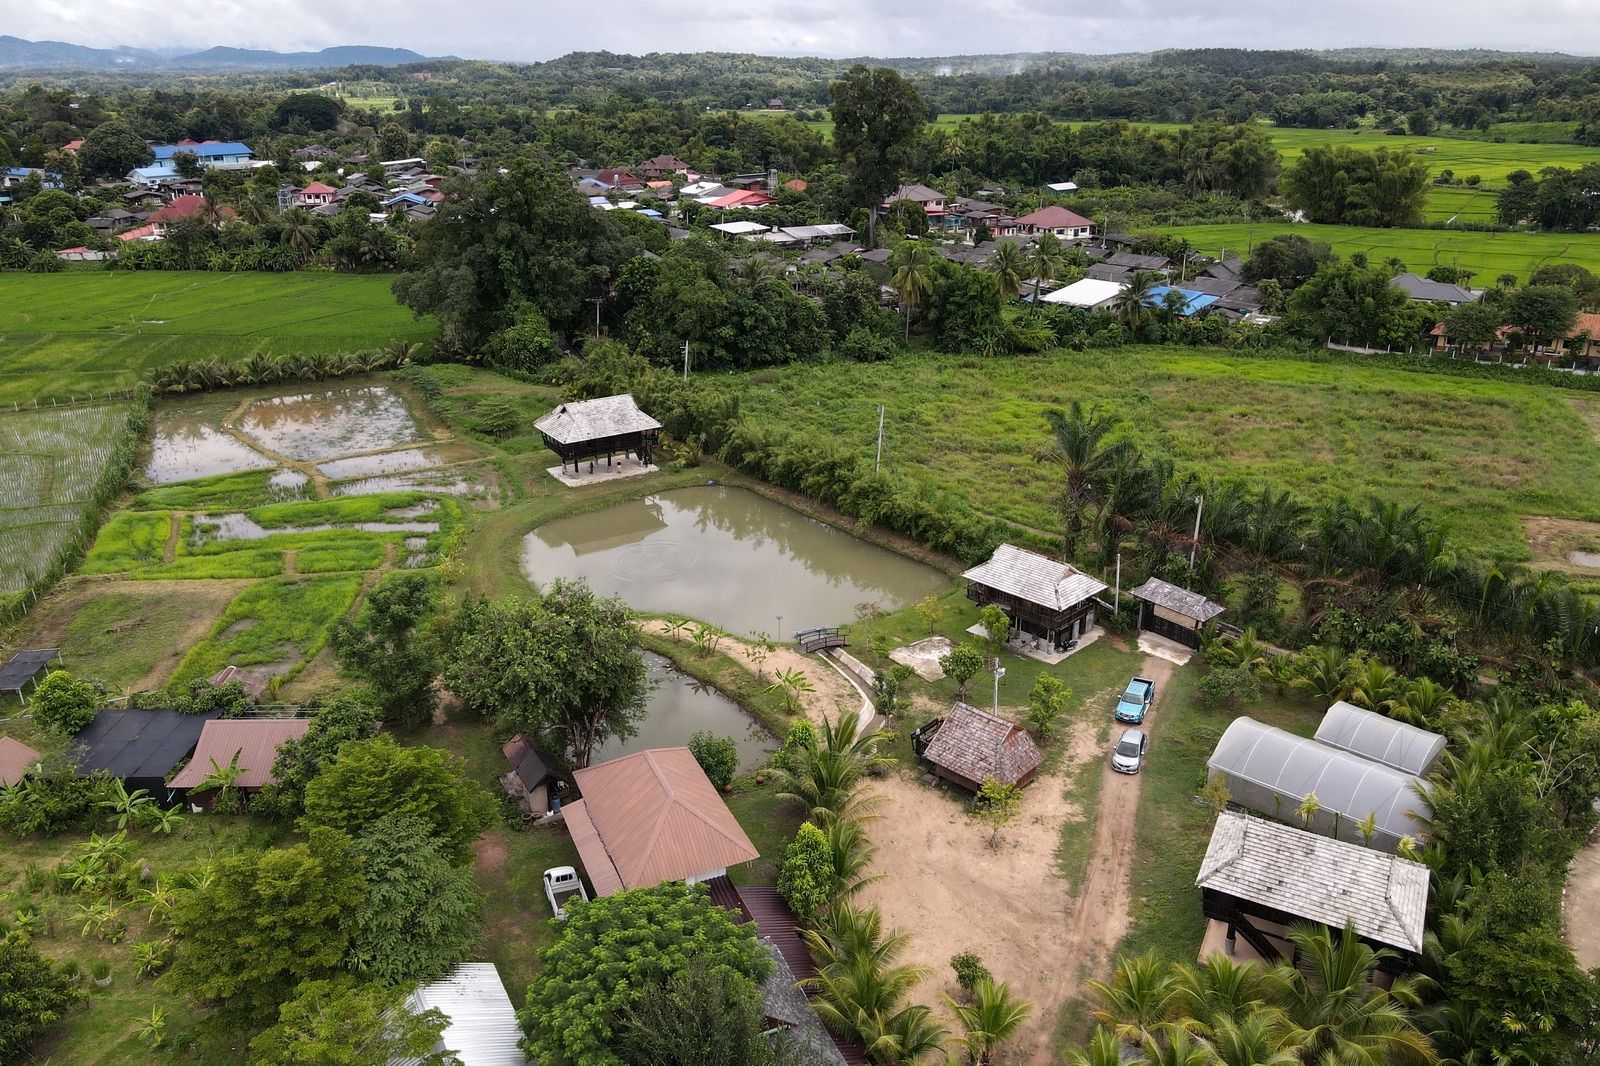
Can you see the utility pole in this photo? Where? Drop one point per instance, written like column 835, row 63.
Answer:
column 878, row 460
column 1200, row 508
column 596, row 301
column 686, row 362
column 999, row 672
column 1116, row 607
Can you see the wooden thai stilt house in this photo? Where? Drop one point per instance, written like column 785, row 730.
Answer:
column 1045, row 598
column 610, row 426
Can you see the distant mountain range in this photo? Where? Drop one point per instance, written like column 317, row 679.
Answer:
column 18, row 54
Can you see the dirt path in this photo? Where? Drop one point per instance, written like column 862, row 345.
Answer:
column 174, row 531
column 1581, row 908
column 834, row 694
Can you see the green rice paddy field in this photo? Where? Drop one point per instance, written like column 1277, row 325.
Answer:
column 1480, row 453
column 98, row 331
column 1487, row 254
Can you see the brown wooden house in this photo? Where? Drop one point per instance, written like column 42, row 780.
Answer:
column 1043, row 597
column 972, row 746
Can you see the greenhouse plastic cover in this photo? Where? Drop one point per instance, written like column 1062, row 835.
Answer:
column 1404, row 747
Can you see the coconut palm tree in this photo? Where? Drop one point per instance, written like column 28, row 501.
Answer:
column 992, row 1018
column 827, row 776
column 1137, row 999
column 1173, row 1046
column 1008, row 266
column 1335, row 1014
column 911, row 276
column 1323, row 674
column 1046, row 263
column 850, row 852
column 860, row 988
column 1079, row 446
column 1103, row 1049
column 1217, row 989
column 299, row 230
column 1422, row 702
column 1375, row 686
column 1132, row 306
column 1253, row 1038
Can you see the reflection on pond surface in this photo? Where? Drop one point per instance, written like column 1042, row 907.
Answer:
column 728, row 556
column 319, row 425
column 678, row 707
column 185, row 446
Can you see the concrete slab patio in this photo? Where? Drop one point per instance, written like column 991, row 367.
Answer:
column 620, row 468
column 923, row 656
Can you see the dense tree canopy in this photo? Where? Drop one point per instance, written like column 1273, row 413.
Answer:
column 390, row 646
column 876, row 117
column 34, row 995
column 1341, row 184
column 339, row 1022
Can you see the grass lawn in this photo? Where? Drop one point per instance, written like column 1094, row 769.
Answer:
column 100, row 1031
column 1479, row 453
column 1173, row 828
column 95, row 331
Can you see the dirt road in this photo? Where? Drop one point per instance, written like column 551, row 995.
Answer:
column 1581, row 909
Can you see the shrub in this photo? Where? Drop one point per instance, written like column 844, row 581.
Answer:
column 50, row 802
column 969, row 970
column 866, row 346
column 65, row 705
column 1046, row 703
column 805, row 876
column 1229, row 687
column 36, row 995
column 802, row 735
column 717, row 756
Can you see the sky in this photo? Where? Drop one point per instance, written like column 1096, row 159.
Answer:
column 530, row 30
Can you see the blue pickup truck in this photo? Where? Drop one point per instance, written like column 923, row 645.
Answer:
column 1135, row 700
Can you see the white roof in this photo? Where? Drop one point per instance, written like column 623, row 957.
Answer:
column 1380, row 738
column 1085, row 292
column 1317, row 878
column 702, row 188
column 483, row 1029
column 1061, row 186
column 1035, row 578
column 605, row 416
column 736, row 229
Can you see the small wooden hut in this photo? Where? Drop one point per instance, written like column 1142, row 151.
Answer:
column 1043, row 597
column 1173, row 612
column 608, row 426
column 972, row 746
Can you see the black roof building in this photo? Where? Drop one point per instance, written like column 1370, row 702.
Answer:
column 139, row 748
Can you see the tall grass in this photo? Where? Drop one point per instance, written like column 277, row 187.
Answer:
column 283, row 622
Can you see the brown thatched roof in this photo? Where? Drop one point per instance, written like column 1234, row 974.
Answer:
column 978, row 745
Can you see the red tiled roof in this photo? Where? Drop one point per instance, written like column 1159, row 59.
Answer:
column 657, row 818
column 318, row 188
column 744, row 198
column 1054, row 217
column 138, row 233
column 188, row 206
column 72, row 146
column 256, row 741
column 797, row 184
column 16, row 759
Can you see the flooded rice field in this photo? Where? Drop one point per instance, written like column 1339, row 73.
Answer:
column 189, row 447
column 727, row 556
column 326, row 423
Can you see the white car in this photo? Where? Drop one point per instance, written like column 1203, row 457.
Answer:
column 562, row 883
column 1128, row 756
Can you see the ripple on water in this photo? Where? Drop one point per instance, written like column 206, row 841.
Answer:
column 658, row 559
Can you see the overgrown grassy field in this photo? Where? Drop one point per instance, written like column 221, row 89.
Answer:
column 50, row 461
column 1490, row 160
column 1477, row 453
column 97, row 331
column 1487, row 254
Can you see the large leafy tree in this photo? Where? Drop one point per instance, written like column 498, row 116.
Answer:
column 110, row 150
column 420, row 913
column 1346, row 302
column 263, row 921
column 1544, row 312
column 33, row 996
column 371, row 779
column 877, row 116
column 1288, row 258
column 390, row 646
column 563, row 667
column 339, row 1022
column 613, row 952
column 499, row 238
column 700, row 1017
column 65, row 705
column 1341, row 184
column 350, row 717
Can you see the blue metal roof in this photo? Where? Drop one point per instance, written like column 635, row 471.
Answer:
column 167, row 151
column 1193, row 301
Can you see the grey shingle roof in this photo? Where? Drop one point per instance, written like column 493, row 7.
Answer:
column 783, row 1002
column 605, row 416
column 1420, row 288
column 1035, row 578
column 1177, row 600
column 978, row 745
column 1317, row 878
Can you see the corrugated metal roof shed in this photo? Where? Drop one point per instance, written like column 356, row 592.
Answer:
column 256, row 742
column 1177, row 600
column 1317, row 878
column 1381, row 739
column 1272, row 771
column 1035, row 578
column 483, row 1029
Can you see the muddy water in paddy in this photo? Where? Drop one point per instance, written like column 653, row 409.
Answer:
column 728, row 556
column 242, row 527
column 329, row 422
column 678, row 707
column 186, row 447
column 400, row 462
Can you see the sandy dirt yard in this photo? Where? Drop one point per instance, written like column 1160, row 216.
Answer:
column 945, row 886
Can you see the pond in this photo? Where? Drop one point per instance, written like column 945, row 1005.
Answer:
column 678, row 707
column 727, row 556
